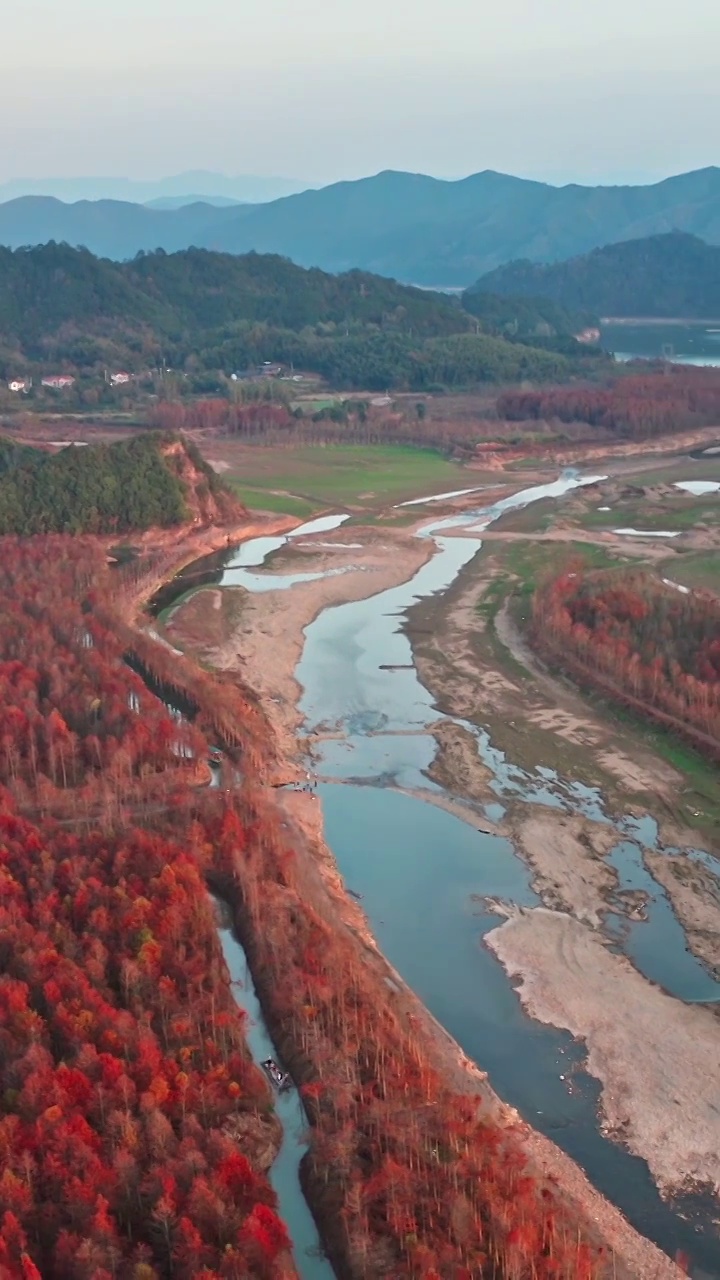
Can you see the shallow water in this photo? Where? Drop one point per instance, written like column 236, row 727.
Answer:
column 284, row 1174
column 648, row 533
column 698, row 487
column 440, row 497
column 421, row 921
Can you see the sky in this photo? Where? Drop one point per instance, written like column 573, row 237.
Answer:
column 561, row 90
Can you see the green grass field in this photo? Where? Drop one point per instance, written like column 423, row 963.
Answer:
column 695, row 569
column 679, row 469
column 364, row 477
column 281, row 503
column 683, row 512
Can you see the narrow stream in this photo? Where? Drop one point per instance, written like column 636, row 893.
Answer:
column 421, row 870
column 284, row 1174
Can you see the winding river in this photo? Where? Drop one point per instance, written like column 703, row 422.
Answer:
column 421, row 869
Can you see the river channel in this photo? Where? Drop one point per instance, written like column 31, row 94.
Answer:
column 422, row 871
column 285, row 1172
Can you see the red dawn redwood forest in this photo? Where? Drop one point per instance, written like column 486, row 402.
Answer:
column 633, row 407
column 135, row 1131
column 641, row 640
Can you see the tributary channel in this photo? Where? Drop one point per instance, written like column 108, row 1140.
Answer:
column 422, row 870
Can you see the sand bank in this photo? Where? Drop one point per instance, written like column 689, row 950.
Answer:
column 694, row 891
column 266, row 643
column 657, row 1058
column 566, row 854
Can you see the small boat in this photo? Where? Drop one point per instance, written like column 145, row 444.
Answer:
column 280, row 1079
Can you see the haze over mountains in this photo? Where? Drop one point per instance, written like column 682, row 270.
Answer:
column 201, row 184
column 417, row 229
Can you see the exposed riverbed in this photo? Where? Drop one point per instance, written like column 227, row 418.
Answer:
column 426, row 875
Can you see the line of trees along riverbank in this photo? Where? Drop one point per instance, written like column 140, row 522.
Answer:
column 131, row 1119
column 645, row 643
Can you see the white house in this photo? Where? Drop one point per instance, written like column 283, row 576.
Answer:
column 20, row 384
column 119, row 379
column 59, row 381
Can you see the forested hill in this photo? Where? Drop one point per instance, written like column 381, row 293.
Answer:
column 208, row 315
column 52, row 286
column 672, row 275
column 525, row 317
column 150, row 480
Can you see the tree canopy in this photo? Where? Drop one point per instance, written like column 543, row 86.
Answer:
column 209, row 315
column 104, row 488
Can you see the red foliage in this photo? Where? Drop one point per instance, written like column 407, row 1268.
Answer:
column 251, row 419
column 636, row 407
column 71, row 710
column 402, row 1168
column 121, row 1063
column 640, row 638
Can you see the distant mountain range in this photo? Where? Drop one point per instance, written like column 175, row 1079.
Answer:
column 197, row 184
column 414, row 228
column 673, row 275
column 179, row 202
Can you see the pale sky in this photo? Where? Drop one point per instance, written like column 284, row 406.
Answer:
column 618, row 90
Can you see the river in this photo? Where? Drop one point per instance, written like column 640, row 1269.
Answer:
column 420, row 869
column 284, row 1175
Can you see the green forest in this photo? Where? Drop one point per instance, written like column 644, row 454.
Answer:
column 104, row 488
column 529, row 319
column 208, row 315
column 670, row 275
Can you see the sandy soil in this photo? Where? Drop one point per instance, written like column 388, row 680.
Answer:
column 565, row 852
column 626, row 453
column 273, row 622
column 649, row 548
column 694, row 892
column 668, row 1110
column 457, row 765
